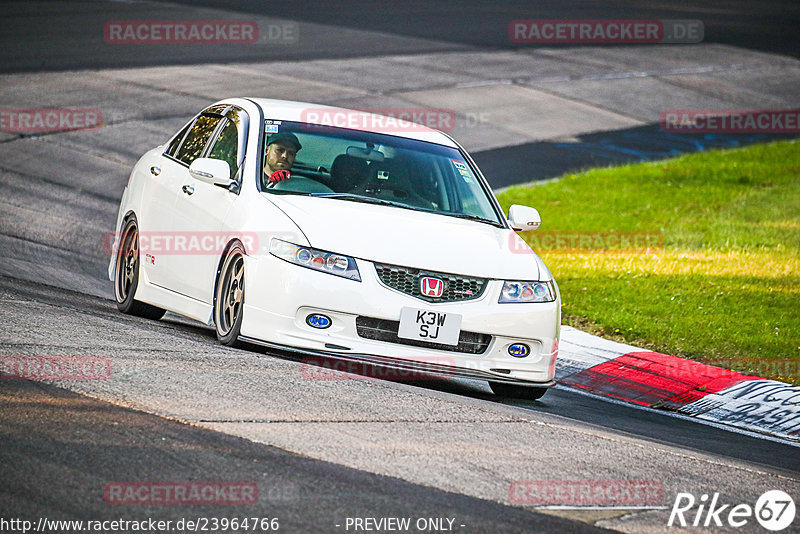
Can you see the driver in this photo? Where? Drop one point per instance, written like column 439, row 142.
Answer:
column 282, row 148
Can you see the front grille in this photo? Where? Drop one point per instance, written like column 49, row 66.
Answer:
column 386, row 330
column 407, row 280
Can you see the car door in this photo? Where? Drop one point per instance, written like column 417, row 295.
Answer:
column 159, row 242
column 161, row 183
column 201, row 210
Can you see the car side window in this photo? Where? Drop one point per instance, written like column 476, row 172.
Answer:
column 176, row 142
column 197, row 138
column 226, row 146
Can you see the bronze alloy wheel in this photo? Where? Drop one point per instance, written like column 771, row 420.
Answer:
column 126, row 274
column 229, row 296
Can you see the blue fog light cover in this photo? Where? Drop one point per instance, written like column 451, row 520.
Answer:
column 317, row 320
column 519, row 350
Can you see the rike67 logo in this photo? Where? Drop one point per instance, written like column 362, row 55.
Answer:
column 774, row 510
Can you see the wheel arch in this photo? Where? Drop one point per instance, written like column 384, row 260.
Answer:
column 130, row 214
column 114, row 242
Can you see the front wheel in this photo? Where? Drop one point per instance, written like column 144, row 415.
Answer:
column 126, row 276
column 229, row 296
column 514, row 391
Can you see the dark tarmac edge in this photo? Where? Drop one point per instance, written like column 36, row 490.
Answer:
column 59, row 449
column 549, row 159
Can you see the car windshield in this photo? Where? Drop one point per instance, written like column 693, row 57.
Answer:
column 352, row 165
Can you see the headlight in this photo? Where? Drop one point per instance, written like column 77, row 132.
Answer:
column 319, row 260
column 528, row 292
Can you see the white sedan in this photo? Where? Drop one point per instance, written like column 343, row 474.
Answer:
column 378, row 242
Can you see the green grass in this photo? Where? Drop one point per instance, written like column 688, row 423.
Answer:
column 725, row 287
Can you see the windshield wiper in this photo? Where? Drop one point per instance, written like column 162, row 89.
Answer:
column 362, row 198
column 285, row 192
column 473, row 218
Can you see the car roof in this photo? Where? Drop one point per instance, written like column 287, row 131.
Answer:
column 288, row 110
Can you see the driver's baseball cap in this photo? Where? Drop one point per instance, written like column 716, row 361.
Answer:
column 284, row 136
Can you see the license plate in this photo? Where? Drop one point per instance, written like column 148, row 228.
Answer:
column 431, row 326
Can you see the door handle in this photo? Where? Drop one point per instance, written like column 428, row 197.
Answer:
column 188, row 189
column 155, row 171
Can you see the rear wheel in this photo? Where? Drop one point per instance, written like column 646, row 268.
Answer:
column 514, row 391
column 126, row 276
column 229, row 296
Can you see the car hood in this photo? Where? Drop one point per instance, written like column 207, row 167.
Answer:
column 410, row 238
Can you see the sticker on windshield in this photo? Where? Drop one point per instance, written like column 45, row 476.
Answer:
column 270, row 121
column 463, row 170
column 271, row 128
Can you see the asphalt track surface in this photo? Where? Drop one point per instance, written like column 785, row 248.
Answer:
column 767, row 26
column 51, row 436
column 62, row 39
column 59, row 448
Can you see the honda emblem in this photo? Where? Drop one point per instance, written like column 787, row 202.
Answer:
column 431, row 287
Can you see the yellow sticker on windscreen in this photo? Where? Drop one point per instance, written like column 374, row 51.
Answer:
column 463, row 170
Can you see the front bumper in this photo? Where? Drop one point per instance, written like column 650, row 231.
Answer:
column 279, row 296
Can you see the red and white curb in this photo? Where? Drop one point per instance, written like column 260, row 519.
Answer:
column 661, row 381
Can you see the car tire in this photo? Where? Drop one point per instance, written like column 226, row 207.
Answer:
column 229, row 296
column 514, row 391
column 126, row 275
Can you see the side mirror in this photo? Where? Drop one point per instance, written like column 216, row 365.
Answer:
column 212, row 171
column 523, row 218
